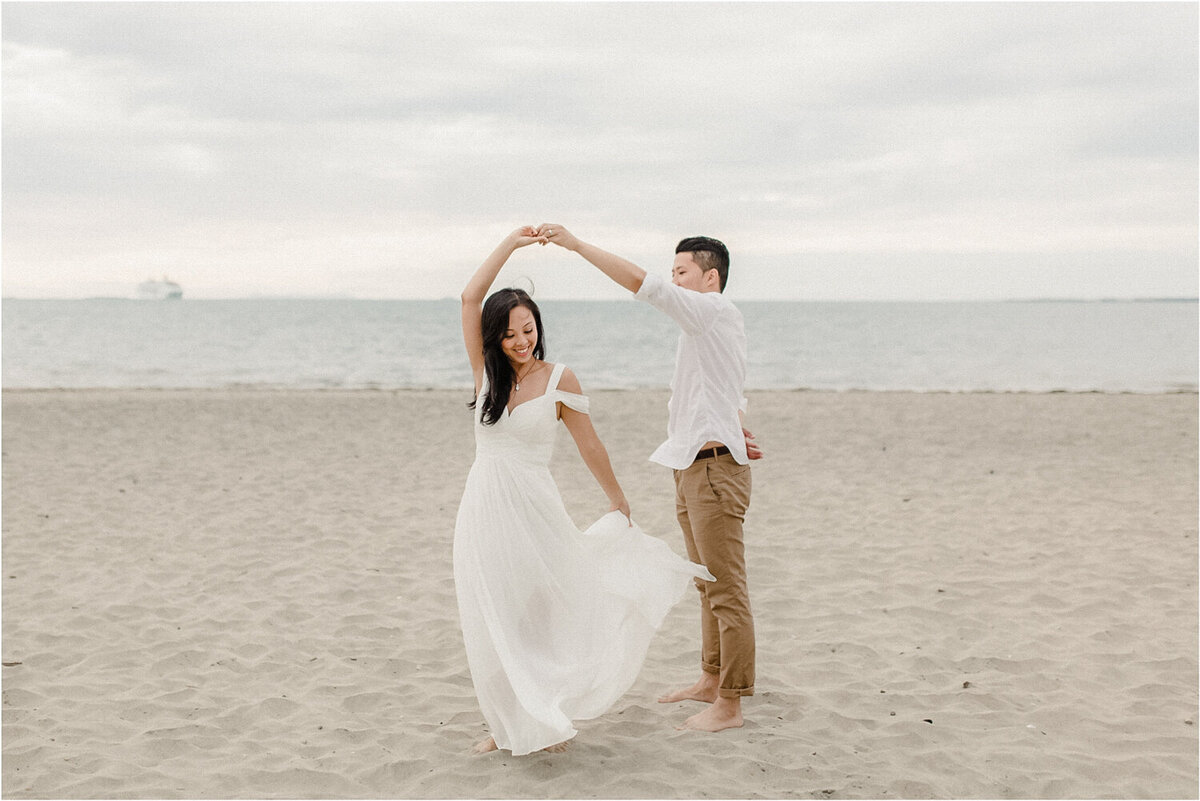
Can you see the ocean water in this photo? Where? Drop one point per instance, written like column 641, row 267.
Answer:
column 1004, row 346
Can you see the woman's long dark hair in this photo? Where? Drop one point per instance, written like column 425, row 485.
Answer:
column 493, row 324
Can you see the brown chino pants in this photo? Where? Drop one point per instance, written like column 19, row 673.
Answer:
column 711, row 498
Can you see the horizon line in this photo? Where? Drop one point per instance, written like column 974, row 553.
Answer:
column 1034, row 299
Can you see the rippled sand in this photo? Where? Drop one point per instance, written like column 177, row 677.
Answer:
column 248, row 594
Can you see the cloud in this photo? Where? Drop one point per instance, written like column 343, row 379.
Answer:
column 304, row 142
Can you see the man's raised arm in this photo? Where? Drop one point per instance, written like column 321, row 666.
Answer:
column 623, row 271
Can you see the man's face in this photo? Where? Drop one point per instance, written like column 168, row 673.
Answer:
column 690, row 275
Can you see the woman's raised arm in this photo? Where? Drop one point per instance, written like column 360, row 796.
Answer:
column 477, row 289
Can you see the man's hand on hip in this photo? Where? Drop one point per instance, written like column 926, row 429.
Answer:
column 752, row 449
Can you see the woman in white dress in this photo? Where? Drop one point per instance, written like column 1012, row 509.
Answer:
column 556, row 621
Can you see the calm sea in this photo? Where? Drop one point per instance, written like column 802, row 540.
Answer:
column 1009, row 346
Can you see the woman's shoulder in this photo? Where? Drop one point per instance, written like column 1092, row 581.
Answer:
column 568, row 382
column 569, row 393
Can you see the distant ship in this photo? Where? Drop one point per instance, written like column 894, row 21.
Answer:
column 160, row 290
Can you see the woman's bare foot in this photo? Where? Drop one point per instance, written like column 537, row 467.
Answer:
column 704, row 690
column 725, row 713
column 489, row 745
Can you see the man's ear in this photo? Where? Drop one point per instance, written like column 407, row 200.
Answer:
column 713, row 278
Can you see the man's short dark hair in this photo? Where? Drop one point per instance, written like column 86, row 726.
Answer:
column 709, row 253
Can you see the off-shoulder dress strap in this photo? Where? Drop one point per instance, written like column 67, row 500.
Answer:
column 572, row 400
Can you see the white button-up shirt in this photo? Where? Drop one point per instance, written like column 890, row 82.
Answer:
column 710, row 372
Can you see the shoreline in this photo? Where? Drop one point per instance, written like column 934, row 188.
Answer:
column 266, row 389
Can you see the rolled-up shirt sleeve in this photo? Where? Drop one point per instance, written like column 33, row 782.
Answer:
column 692, row 310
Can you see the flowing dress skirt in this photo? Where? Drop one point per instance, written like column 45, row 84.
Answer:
column 556, row 621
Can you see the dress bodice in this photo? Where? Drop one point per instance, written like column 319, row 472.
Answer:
column 527, row 433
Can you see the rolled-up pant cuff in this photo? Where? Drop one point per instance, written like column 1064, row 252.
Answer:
column 725, row 692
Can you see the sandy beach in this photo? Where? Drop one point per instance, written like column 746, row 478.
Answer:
column 248, row 594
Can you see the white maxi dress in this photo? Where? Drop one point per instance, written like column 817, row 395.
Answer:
column 556, row 621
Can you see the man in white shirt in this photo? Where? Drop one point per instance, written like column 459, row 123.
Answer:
column 710, row 453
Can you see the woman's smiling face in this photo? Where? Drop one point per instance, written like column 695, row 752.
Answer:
column 520, row 338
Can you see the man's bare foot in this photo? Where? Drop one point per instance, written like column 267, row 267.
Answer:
column 725, row 713
column 484, row 747
column 704, row 690
column 557, row 748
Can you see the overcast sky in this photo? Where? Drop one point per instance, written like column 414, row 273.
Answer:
column 842, row 151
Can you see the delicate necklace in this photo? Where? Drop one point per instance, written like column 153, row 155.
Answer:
column 517, row 388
